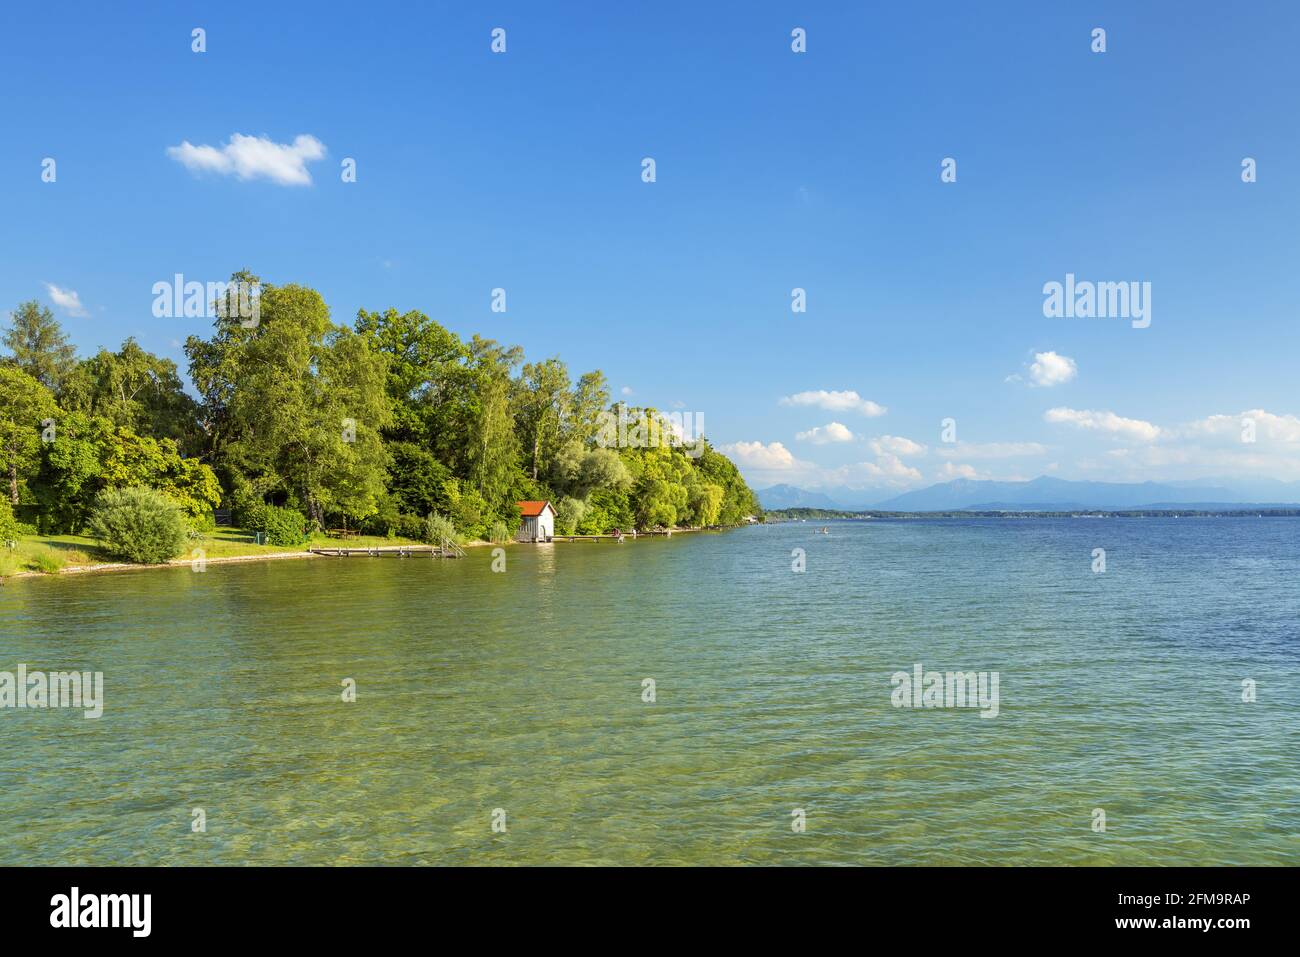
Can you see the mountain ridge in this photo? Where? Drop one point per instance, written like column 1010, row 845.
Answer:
column 1046, row 493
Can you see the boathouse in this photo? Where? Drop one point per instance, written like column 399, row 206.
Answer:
column 539, row 522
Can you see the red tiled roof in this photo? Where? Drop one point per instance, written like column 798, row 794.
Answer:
column 530, row 509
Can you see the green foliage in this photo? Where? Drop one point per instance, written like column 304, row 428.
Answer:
column 467, row 510
column 438, row 529
column 135, row 390
column 46, row 560
column 24, row 404
column 9, row 527
column 71, row 471
column 39, row 345
column 283, row 526
column 88, row 455
column 302, row 424
column 297, row 404
column 568, row 514
column 138, row 524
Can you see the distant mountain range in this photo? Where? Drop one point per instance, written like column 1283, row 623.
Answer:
column 787, row 496
column 1045, row 494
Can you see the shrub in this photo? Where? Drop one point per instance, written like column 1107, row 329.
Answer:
column 499, row 533
column 438, row 529
column 409, row 526
column 283, row 526
column 9, row 564
column 138, row 524
column 47, row 560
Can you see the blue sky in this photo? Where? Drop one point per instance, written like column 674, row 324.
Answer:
column 775, row 170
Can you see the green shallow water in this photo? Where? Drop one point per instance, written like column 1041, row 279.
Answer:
column 522, row 691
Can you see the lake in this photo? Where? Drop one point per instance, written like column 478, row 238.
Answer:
column 520, row 694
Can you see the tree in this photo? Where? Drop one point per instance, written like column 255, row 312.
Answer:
column 135, row 460
column 494, row 450
column 25, row 404
column 71, row 471
column 543, row 403
column 298, row 404
column 137, row 390
column 39, row 345
column 425, row 361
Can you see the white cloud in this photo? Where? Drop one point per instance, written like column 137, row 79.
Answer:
column 1268, row 427
column 848, row 401
column 951, row 470
column 1107, row 422
column 888, row 470
column 896, row 445
column 66, row 299
column 253, row 157
column 1049, row 369
column 773, row 457
column 990, row 450
column 626, row 390
column 822, row 434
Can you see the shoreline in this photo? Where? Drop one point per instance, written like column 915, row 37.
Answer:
column 277, row 556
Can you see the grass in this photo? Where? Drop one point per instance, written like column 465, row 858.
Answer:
column 50, row 553
column 37, row 553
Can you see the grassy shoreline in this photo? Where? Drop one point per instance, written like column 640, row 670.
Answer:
column 72, row 554
column 44, row 555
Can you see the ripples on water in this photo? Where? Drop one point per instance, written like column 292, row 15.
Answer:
column 522, row 691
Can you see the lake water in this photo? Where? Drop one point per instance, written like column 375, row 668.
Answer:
column 522, row 691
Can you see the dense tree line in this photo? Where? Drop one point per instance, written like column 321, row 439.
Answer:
column 388, row 427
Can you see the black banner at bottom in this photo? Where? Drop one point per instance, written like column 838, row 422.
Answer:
column 301, row 905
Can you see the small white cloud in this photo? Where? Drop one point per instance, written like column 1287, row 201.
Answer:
column 66, row 299
column 951, row 470
column 755, row 455
column 626, row 390
column 1107, row 422
column 822, row 434
column 1049, row 369
column 1268, row 427
column 848, row 401
column 896, row 445
column 253, row 157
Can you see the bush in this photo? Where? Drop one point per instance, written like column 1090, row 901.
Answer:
column 283, row 526
column 9, row 563
column 138, row 524
column 409, row 526
column 499, row 533
column 438, row 529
